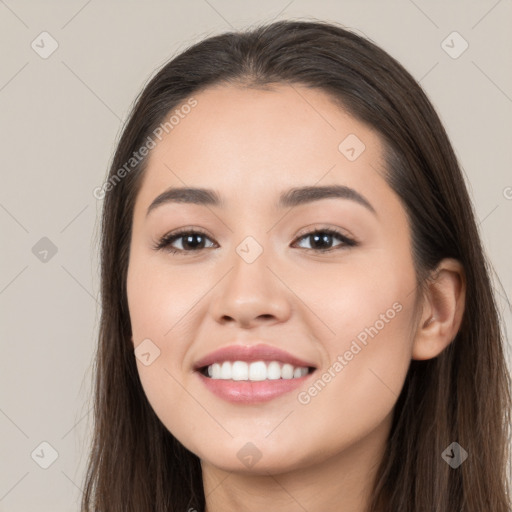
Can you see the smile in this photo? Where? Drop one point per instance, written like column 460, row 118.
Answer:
column 257, row 381
column 254, row 371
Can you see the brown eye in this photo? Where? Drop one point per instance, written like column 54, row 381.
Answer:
column 321, row 240
column 190, row 241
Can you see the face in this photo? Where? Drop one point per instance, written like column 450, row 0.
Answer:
column 250, row 271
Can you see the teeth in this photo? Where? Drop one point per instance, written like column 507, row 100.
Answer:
column 255, row 371
column 225, row 370
column 239, row 370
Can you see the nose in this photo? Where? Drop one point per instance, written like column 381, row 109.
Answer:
column 251, row 294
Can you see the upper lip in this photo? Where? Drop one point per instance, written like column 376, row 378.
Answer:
column 259, row 352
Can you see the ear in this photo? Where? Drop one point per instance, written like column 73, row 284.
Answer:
column 443, row 309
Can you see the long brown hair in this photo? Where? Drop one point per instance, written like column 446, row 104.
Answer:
column 462, row 396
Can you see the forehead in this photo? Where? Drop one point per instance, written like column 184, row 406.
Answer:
column 255, row 141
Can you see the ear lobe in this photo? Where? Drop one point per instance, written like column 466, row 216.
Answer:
column 443, row 309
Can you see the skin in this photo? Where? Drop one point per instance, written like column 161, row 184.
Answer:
column 250, row 145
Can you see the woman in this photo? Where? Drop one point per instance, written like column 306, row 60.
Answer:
column 297, row 312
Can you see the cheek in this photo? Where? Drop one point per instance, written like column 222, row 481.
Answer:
column 367, row 295
column 370, row 312
column 162, row 303
column 367, row 362
column 369, row 359
column 161, row 299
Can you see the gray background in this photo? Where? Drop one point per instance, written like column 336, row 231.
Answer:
column 61, row 117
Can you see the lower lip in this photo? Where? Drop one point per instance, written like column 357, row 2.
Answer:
column 250, row 392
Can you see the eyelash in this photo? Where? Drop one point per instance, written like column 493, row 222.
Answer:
column 166, row 241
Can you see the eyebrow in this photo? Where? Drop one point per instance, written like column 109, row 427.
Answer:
column 293, row 197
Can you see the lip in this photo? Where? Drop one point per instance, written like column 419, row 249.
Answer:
column 249, row 353
column 251, row 392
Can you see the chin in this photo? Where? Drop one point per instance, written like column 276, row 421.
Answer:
column 248, row 458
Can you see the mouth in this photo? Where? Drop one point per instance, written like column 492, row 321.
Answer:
column 254, row 386
column 254, row 371
column 251, row 374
